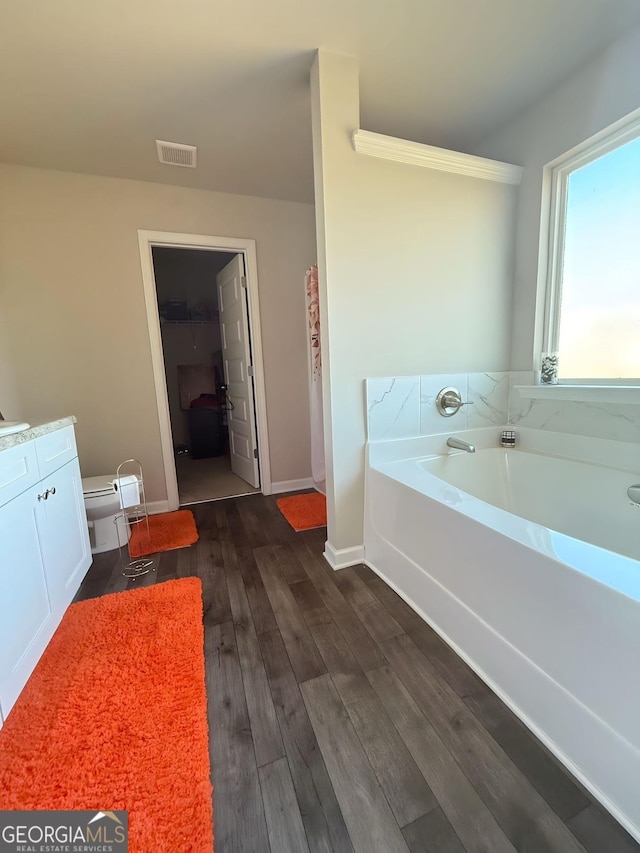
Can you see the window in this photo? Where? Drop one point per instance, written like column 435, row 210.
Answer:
column 593, row 282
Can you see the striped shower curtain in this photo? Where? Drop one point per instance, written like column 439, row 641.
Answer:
column 315, row 379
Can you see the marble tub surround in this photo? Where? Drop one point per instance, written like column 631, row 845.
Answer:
column 618, row 422
column 431, row 421
column 489, row 393
column 38, row 427
column 393, row 407
column 597, row 420
column 405, row 406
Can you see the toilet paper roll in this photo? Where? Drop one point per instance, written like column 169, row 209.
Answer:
column 128, row 490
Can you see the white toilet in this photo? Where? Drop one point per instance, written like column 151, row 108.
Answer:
column 102, row 504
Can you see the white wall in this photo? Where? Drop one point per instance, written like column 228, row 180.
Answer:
column 602, row 92
column 415, row 270
column 74, row 312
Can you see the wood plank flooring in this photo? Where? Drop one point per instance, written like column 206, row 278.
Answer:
column 340, row 721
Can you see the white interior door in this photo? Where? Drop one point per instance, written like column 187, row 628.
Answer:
column 238, row 370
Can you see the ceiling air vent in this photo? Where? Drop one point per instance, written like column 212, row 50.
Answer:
column 176, row 154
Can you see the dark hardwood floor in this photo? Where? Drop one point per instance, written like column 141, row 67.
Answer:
column 340, row 721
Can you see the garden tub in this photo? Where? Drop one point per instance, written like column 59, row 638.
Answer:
column 527, row 562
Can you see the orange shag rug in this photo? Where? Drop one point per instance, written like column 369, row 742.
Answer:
column 304, row 511
column 167, row 531
column 115, row 717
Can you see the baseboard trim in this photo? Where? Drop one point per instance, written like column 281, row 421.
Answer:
column 342, row 558
column 155, row 507
column 291, row 485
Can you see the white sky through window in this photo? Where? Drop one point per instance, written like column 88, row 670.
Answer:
column 600, row 307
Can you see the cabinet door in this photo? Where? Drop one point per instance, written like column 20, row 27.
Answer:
column 55, row 449
column 25, row 609
column 18, row 470
column 65, row 537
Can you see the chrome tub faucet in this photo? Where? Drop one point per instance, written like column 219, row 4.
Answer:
column 459, row 444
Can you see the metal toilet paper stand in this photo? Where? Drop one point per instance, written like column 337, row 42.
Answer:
column 133, row 516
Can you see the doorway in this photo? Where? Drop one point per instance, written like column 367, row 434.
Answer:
column 206, row 350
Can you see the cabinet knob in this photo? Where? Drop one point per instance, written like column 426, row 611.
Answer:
column 43, row 496
column 52, row 491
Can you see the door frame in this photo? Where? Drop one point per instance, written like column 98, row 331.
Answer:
column 147, row 241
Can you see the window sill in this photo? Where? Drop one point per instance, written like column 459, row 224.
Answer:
column 582, row 393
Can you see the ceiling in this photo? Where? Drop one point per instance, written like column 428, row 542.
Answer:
column 88, row 86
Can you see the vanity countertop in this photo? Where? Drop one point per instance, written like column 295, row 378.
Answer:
column 37, row 427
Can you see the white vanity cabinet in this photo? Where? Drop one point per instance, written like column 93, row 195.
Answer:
column 44, row 551
column 25, row 611
column 64, row 535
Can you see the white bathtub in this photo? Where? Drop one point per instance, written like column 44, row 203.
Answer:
column 508, row 555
